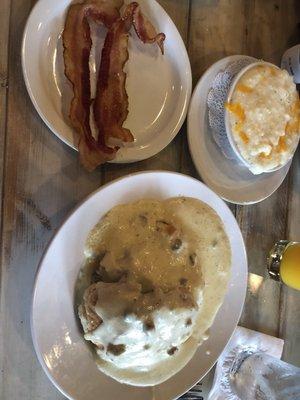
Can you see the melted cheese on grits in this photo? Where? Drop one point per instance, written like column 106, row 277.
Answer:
column 159, row 272
column 264, row 115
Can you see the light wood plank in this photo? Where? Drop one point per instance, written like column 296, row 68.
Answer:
column 43, row 179
column 212, row 37
column 270, row 29
column 261, row 310
column 212, row 33
column 255, row 29
column 290, row 299
column 290, row 307
column 4, row 33
column 262, row 224
column 43, row 182
column 179, row 12
column 169, row 158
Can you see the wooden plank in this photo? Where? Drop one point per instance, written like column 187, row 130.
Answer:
column 257, row 30
column 290, row 299
column 43, row 179
column 4, row 32
column 4, row 28
column 261, row 309
column 258, row 221
column 212, row 37
column 43, row 182
column 169, row 158
column 290, row 307
column 271, row 27
column 179, row 12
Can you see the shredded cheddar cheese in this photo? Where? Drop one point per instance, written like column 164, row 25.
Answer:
column 244, row 137
column 281, row 144
column 243, row 88
column 236, row 109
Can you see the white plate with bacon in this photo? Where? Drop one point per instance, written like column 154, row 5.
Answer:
column 124, row 109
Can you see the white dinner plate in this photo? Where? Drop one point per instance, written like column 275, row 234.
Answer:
column 231, row 180
column 58, row 340
column 158, row 86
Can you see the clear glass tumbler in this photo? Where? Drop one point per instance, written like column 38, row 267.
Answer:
column 259, row 376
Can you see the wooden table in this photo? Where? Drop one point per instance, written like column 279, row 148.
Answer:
column 41, row 179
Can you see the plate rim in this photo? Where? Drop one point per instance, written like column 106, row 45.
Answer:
column 182, row 114
column 73, row 211
column 190, row 139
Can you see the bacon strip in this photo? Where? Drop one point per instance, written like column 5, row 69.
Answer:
column 145, row 30
column 77, row 46
column 111, row 102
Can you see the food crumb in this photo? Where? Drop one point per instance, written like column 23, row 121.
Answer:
column 176, row 244
column 192, row 258
column 172, row 351
column 149, row 325
column 116, row 349
column 183, row 281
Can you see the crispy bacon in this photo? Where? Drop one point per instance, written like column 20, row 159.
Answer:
column 145, row 30
column 77, row 46
column 111, row 102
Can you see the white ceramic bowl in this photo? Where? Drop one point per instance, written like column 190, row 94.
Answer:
column 58, row 340
column 227, row 118
column 229, row 179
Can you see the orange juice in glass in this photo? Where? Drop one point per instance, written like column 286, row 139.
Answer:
column 284, row 263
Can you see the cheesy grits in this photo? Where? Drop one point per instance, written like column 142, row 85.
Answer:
column 264, row 112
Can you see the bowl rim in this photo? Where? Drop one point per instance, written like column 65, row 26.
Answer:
column 227, row 120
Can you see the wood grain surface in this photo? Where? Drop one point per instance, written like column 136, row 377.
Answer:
column 41, row 179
